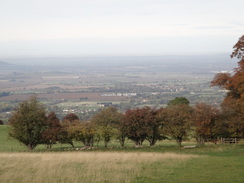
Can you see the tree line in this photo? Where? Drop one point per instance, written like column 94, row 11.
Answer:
column 31, row 125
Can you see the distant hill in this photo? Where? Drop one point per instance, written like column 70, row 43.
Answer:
column 6, row 66
column 167, row 63
column 4, row 63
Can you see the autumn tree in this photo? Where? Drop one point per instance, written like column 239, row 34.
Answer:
column 238, row 49
column 135, row 124
column 177, row 121
column 222, row 128
column 205, row 121
column 28, row 122
column 120, row 130
column 65, row 137
column 142, row 124
column 71, row 117
column 154, row 124
column 88, row 133
column 51, row 134
column 83, row 131
column 233, row 103
column 106, row 120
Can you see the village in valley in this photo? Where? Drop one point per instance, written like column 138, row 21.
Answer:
column 85, row 89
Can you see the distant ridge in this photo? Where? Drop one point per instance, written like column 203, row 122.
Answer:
column 4, row 63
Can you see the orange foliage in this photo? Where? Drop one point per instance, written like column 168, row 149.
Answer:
column 205, row 118
column 234, row 83
column 233, row 104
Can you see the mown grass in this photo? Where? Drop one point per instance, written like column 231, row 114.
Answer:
column 165, row 162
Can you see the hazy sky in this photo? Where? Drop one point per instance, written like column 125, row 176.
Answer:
column 40, row 28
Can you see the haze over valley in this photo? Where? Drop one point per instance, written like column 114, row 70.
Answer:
column 92, row 82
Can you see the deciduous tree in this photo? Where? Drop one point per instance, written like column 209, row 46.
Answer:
column 65, row 136
column 154, row 126
column 143, row 124
column 82, row 131
column 205, row 121
column 177, row 121
column 106, row 120
column 28, row 122
column 178, row 101
column 88, row 132
column 135, row 124
column 238, row 49
column 51, row 134
column 71, row 117
column 233, row 103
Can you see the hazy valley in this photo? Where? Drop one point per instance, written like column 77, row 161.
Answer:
column 83, row 85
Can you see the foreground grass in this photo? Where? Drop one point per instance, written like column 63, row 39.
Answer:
column 222, row 165
column 219, row 165
column 164, row 163
column 88, row 166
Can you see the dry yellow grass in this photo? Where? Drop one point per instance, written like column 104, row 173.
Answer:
column 83, row 166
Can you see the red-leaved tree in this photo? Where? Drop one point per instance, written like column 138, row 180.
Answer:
column 51, row 134
column 205, row 120
column 233, row 104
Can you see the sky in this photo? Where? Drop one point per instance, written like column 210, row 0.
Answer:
column 71, row 28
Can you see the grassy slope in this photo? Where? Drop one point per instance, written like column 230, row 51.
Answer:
column 8, row 144
column 214, row 163
column 220, row 165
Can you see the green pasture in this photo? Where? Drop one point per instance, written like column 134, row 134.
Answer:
column 164, row 163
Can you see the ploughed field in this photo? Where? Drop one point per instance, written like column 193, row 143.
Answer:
column 67, row 96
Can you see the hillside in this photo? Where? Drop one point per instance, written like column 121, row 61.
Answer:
column 6, row 142
column 5, row 65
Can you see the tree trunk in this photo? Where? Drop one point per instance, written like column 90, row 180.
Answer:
column 71, row 143
column 122, row 140
column 153, row 142
column 30, row 147
column 200, row 140
column 106, row 143
column 138, row 142
column 179, row 141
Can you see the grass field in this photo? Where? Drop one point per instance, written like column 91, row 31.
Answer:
column 164, row 163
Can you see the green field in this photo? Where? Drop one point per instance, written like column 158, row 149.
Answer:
column 163, row 163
